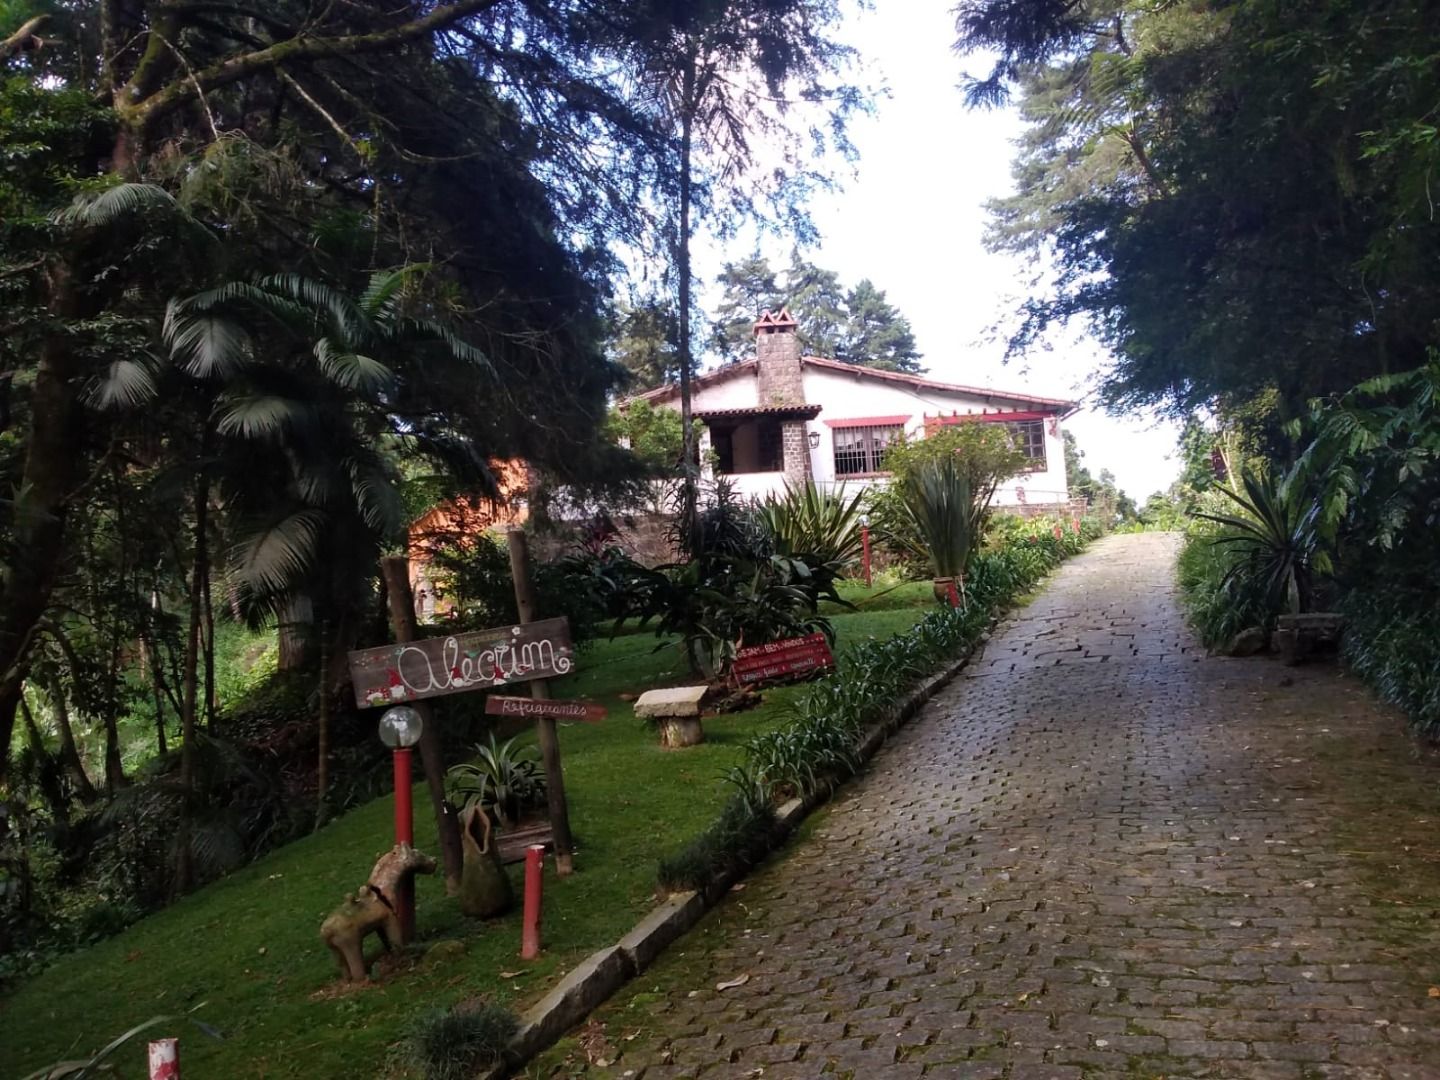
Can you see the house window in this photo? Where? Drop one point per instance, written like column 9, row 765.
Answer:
column 1030, row 440
column 861, row 450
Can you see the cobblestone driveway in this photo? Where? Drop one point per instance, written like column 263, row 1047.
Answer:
column 1098, row 854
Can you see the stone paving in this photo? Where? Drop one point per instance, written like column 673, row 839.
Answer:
column 1099, row 854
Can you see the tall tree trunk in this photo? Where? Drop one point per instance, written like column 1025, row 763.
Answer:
column 46, row 767
column 69, row 753
column 184, row 871
column 322, row 753
column 294, row 633
column 209, row 653
column 48, row 480
column 402, row 621
column 691, row 463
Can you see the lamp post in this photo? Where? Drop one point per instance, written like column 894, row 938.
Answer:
column 865, row 546
column 400, row 729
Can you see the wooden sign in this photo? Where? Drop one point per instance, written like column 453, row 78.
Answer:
column 495, row 705
column 783, row 659
column 434, row 667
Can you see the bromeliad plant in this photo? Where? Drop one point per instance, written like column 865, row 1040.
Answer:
column 503, row 780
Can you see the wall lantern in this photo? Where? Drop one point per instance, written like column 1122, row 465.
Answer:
column 814, row 438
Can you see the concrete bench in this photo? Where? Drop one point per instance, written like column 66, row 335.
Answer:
column 1296, row 636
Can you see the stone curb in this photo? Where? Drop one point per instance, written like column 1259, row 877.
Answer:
column 596, row 978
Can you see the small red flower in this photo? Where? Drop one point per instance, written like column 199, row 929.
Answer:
column 1059, row 533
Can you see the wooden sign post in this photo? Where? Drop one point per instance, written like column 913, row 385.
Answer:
column 544, row 725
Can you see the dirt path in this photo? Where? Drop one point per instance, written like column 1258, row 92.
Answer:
column 1100, row 854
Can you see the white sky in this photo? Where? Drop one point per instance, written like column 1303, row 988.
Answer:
column 912, row 219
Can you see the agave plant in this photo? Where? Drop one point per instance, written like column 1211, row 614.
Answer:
column 941, row 510
column 1276, row 539
column 807, row 520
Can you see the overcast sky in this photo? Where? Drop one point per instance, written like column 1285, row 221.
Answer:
column 912, row 220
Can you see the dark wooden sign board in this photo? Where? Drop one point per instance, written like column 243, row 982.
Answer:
column 788, row 659
column 495, row 705
column 434, row 667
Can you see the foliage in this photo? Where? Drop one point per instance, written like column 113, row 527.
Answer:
column 739, row 838
column 635, row 801
column 1392, row 641
column 654, row 435
column 1219, row 603
column 978, row 456
column 1234, row 197
column 733, row 589
column 473, row 574
column 858, row 326
column 456, row 1043
column 808, row 521
column 503, row 780
column 941, row 510
column 1276, row 541
column 1101, row 493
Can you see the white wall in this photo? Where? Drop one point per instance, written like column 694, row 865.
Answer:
column 845, row 397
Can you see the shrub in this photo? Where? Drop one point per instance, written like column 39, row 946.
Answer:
column 809, row 522
column 455, row 1044
column 736, row 841
column 1392, row 641
column 733, row 589
column 1218, row 603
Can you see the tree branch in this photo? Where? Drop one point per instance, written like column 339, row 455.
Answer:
column 145, row 112
column 24, row 38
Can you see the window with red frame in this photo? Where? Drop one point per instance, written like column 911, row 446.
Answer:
column 860, row 451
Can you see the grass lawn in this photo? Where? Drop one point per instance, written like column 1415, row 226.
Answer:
column 248, row 947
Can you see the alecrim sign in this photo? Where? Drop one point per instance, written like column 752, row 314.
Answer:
column 434, row 667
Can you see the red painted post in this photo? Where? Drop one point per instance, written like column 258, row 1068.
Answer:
column 534, row 884
column 404, row 812
column 165, row 1059
column 404, row 834
column 865, row 547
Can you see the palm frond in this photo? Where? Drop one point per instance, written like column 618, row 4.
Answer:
column 352, row 370
column 96, row 209
column 205, row 344
column 457, row 347
column 259, row 416
column 346, row 316
column 124, row 384
column 278, row 553
column 383, row 286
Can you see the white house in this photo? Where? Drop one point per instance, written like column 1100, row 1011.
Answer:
column 787, row 417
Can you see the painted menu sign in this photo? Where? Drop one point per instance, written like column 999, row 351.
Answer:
column 434, row 667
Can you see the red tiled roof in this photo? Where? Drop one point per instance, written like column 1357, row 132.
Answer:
column 922, row 383
column 809, row 412
column 1060, row 406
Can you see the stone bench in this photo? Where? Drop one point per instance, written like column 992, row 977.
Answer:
column 1296, row 636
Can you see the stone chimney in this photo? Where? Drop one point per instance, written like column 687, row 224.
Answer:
column 777, row 348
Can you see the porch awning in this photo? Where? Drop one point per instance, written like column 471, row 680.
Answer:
column 777, row 412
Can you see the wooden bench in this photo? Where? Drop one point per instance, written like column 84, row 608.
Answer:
column 1296, row 636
